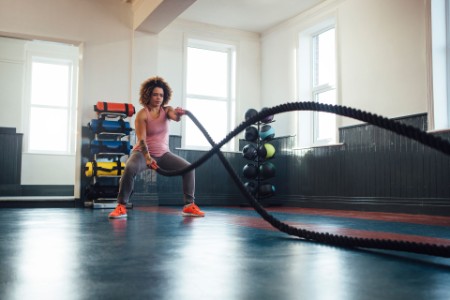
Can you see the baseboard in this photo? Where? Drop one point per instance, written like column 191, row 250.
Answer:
column 428, row 206
column 39, row 202
column 37, row 190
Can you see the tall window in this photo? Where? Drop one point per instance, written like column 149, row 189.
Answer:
column 51, row 106
column 209, row 91
column 324, row 81
column 317, row 82
column 440, row 26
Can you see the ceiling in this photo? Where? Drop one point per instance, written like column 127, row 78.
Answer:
column 248, row 15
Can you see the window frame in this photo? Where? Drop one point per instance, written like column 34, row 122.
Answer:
column 230, row 99
column 52, row 53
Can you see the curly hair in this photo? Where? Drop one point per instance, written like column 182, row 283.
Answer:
column 149, row 85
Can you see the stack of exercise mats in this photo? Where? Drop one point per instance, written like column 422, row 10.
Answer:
column 108, row 151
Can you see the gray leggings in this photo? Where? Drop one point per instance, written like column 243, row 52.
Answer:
column 169, row 161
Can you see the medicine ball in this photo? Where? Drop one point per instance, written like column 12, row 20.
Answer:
column 250, row 113
column 266, row 190
column 267, row 132
column 266, row 170
column 250, row 171
column 251, row 134
column 266, row 151
column 251, row 187
column 267, row 119
column 250, row 152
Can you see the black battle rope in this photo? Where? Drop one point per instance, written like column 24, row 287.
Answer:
column 325, row 238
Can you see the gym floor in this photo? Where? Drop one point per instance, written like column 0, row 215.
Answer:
column 78, row 253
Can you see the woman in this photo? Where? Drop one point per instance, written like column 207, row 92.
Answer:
column 152, row 146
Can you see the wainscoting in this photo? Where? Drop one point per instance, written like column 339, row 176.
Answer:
column 373, row 169
column 12, row 191
column 10, row 156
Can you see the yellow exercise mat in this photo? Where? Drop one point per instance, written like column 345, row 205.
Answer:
column 94, row 168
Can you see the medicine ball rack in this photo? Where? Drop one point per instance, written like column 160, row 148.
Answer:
column 108, row 152
column 256, row 152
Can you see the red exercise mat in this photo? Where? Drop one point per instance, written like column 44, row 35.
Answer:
column 116, row 108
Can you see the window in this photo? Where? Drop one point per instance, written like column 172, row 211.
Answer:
column 209, row 91
column 317, row 82
column 51, row 98
column 440, row 22
column 323, row 89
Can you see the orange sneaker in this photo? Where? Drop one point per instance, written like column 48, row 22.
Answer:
column 119, row 212
column 192, row 210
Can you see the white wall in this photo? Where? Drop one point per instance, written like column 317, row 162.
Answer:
column 12, row 59
column 381, row 58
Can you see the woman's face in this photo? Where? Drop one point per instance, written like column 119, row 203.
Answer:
column 157, row 97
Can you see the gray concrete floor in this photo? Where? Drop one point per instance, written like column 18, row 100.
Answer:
column 76, row 253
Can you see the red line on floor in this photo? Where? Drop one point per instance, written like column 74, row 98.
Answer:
column 161, row 209
column 378, row 216
column 259, row 223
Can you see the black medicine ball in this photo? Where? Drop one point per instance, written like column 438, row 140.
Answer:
column 249, row 151
column 251, row 134
column 267, row 119
column 251, row 187
column 250, row 171
column 250, row 113
column 266, row 190
column 266, row 170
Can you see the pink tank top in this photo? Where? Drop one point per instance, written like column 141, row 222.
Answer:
column 157, row 134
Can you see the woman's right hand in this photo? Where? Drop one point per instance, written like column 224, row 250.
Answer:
column 151, row 163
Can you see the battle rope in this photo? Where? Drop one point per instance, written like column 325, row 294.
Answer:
column 325, row 238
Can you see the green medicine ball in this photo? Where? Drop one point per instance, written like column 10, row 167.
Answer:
column 266, row 151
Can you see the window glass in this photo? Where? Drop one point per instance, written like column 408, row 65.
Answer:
column 324, row 78
column 48, row 130
column 50, row 84
column 215, row 123
column 209, row 91
column 326, row 122
column 207, row 72
column 324, row 58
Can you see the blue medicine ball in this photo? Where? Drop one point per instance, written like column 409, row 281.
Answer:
column 266, row 132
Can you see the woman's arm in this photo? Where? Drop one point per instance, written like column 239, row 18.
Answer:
column 140, row 125
column 174, row 114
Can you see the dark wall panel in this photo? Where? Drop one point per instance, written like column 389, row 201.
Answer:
column 10, row 156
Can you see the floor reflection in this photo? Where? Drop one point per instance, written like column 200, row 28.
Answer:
column 47, row 249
